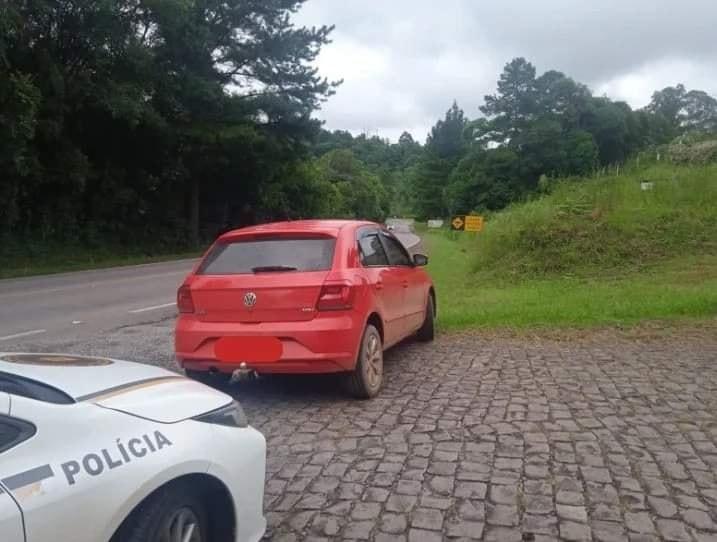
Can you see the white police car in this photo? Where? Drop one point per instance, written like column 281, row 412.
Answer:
column 102, row 450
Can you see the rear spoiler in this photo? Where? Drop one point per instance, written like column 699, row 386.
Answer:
column 230, row 237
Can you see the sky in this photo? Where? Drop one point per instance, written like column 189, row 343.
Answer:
column 403, row 62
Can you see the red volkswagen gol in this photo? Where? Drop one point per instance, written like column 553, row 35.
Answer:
column 314, row 296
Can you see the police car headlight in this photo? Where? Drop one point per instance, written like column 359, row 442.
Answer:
column 231, row 415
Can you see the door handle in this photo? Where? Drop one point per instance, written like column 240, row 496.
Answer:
column 405, row 284
column 379, row 285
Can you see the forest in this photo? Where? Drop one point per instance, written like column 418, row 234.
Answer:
column 159, row 123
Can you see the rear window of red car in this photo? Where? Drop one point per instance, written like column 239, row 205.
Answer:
column 269, row 254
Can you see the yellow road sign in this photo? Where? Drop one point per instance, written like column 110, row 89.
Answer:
column 473, row 223
column 457, row 223
column 467, row 223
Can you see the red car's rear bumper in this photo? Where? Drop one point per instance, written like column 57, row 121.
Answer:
column 326, row 344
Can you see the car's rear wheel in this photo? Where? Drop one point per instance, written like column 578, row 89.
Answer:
column 213, row 379
column 366, row 379
column 173, row 514
column 427, row 331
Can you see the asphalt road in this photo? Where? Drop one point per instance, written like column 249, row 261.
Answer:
column 82, row 304
column 78, row 308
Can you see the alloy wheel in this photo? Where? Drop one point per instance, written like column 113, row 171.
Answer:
column 182, row 526
column 374, row 361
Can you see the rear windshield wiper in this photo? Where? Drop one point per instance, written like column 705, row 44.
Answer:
column 270, row 268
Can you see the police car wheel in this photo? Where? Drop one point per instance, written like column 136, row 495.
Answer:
column 172, row 514
column 182, row 526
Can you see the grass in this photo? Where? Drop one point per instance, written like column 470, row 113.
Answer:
column 60, row 261
column 678, row 289
column 605, row 225
column 594, row 252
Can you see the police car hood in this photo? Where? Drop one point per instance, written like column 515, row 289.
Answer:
column 134, row 388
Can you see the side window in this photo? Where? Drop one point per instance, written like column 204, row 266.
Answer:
column 397, row 255
column 372, row 253
column 13, row 432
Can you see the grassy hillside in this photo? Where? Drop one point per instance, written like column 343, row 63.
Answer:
column 609, row 225
column 592, row 252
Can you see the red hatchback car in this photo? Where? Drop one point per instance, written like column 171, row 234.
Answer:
column 310, row 296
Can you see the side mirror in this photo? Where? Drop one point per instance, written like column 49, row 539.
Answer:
column 420, row 260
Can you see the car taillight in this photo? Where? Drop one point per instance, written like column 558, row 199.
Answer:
column 185, row 303
column 335, row 297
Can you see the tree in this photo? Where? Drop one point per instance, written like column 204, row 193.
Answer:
column 407, row 151
column 329, row 141
column 700, row 111
column 130, row 116
column 581, row 153
column 669, row 103
column 446, row 139
column 406, row 140
column 537, row 125
column 683, row 110
column 19, row 103
column 428, row 181
column 362, row 195
column 562, row 99
column 444, row 147
column 607, row 122
column 515, row 102
column 205, row 45
column 483, row 180
column 302, row 191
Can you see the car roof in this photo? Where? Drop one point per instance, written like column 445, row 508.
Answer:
column 327, row 227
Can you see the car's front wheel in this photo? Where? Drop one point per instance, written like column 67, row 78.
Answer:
column 366, row 379
column 170, row 515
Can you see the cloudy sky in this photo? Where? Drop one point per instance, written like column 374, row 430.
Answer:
column 404, row 61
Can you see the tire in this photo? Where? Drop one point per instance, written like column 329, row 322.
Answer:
column 365, row 381
column 427, row 331
column 167, row 516
column 210, row 379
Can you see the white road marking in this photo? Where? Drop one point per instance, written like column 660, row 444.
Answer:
column 153, row 308
column 23, row 334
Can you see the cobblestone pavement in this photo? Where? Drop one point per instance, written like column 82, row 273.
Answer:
column 602, row 438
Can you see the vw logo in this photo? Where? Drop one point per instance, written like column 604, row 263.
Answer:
column 249, row 299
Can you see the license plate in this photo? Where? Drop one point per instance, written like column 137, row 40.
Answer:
column 249, row 349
